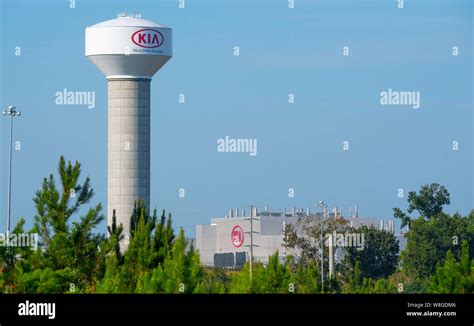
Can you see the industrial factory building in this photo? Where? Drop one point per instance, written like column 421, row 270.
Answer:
column 226, row 241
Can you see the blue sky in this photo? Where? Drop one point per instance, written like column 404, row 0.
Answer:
column 282, row 51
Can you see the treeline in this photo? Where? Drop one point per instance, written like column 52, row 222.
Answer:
column 72, row 258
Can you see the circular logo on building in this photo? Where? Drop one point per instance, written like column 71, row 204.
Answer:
column 237, row 236
column 148, row 38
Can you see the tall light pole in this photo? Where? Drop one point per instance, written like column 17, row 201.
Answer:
column 11, row 111
column 251, row 241
column 323, row 207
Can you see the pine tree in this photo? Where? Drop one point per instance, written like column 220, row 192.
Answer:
column 357, row 283
column 163, row 239
column 10, row 259
column 383, row 286
column 137, row 259
column 307, row 278
column 466, row 268
column 241, row 282
column 276, row 277
column 115, row 237
column 180, row 271
column 454, row 276
column 214, row 281
column 70, row 253
column 155, row 261
column 112, row 281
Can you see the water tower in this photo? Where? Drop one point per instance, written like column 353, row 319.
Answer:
column 128, row 50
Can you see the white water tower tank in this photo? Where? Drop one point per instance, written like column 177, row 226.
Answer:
column 128, row 50
column 128, row 46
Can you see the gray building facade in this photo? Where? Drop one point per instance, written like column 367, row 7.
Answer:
column 225, row 242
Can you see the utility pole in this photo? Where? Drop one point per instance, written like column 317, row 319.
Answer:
column 11, row 111
column 323, row 206
column 251, row 240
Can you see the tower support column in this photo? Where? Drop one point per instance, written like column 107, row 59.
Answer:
column 128, row 148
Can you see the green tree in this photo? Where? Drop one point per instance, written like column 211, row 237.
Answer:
column 180, row 271
column 116, row 236
column 363, row 285
column 382, row 286
column 125, row 270
column 357, row 283
column 429, row 202
column 379, row 256
column 214, row 281
column 155, row 261
column 276, row 277
column 71, row 258
column 307, row 277
column 454, row 276
column 428, row 241
column 112, row 280
column 241, row 281
column 11, row 256
column 304, row 238
column 138, row 258
column 70, row 252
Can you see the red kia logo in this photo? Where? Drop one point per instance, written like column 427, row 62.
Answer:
column 237, row 236
column 148, row 38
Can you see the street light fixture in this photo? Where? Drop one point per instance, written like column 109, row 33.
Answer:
column 323, row 207
column 11, row 111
